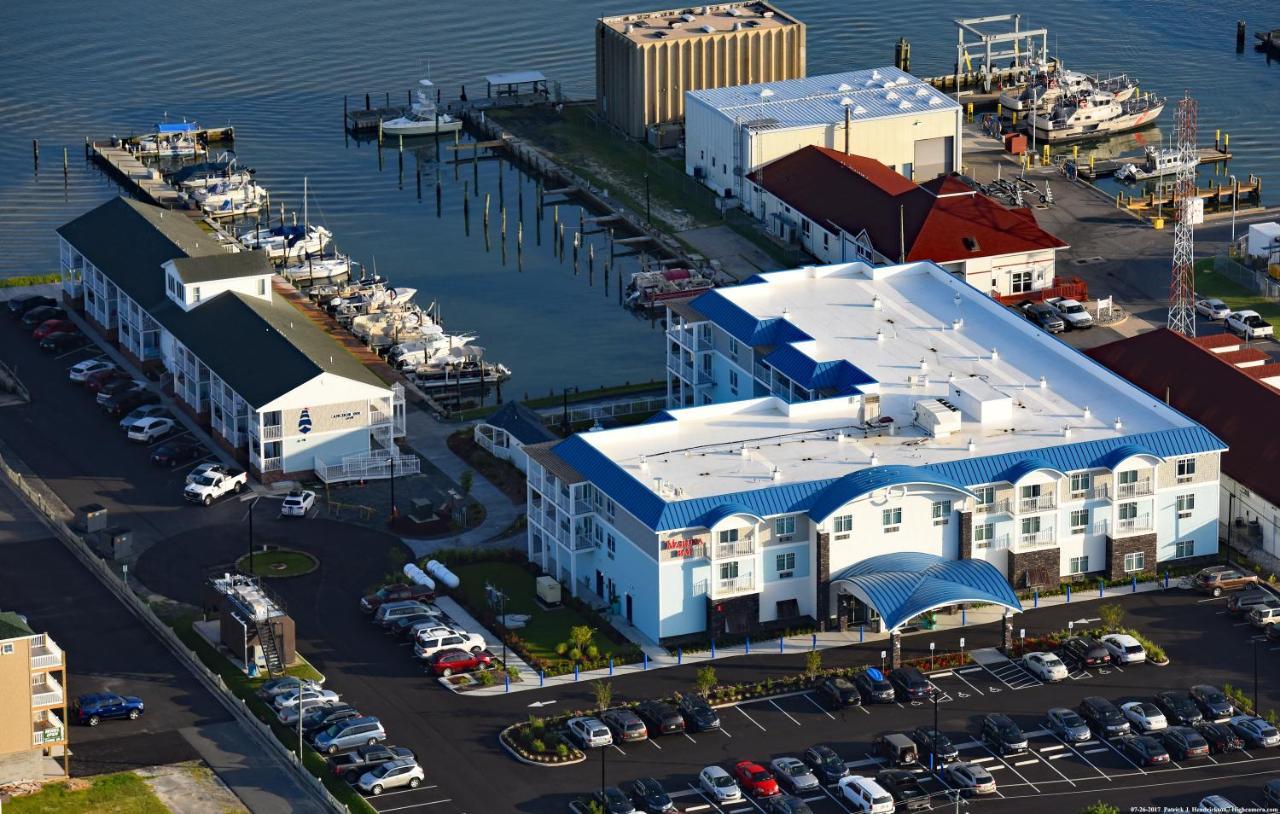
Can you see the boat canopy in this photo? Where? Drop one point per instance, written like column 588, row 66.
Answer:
column 177, row 127
column 508, row 84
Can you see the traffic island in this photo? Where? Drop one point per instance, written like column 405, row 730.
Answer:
column 277, row 563
column 538, row 744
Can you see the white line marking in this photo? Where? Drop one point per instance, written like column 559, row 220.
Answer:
column 415, row 805
column 1030, row 762
column 1015, row 771
column 749, row 718
column 1123, row 755
column 1060, row 757
column 686, row 734
column 615, row 746
column 653, row 743
column 784, row 712
column 940, row 675
column 863, row 710
column 968, row 670
column 406, row 791
column 724, row 731
column 993, row 768
column 1095, row 751
column 819, row 706
column 1054, row 748
column 981, row 759
column 966, row 681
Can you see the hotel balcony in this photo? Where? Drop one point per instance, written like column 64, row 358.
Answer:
column 1137, row 489
column 742, row 548
column 1000, row 541
column 1133, row 525
column 45, row 691
column 1002, row 506
column 45, row 655
column 1042, row 503
column 733, row 586
column 1043, row 538
column 48, row 728
column 272, row 432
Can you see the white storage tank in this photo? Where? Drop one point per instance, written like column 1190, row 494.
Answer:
column 418, row 577
column 442, row 574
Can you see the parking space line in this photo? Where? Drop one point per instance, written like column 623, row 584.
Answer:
column 1123, row 755
column 863, row 709
column 653, row 743
column 819, row 706
column 749, row 718
column 1031, row 762
column 724, row 731
column 1055, row 768
column 784, row 712
column 1060, row 756
column 687, row 735
column 1053, row 748
column 415, row 805
column 615, row 746
column 835, row 799
column 1015, row 771
column 966, row 681
column 407, row 791
column 1095, row 751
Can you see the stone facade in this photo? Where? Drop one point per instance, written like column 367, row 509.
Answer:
column 966, row 535
column 1023, row 565
column 737, row 615
column 822, row 574
column 1118, row 548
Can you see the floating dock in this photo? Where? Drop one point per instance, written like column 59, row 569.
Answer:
column 1105, row 167
column 148, row 182
column 1217, row 197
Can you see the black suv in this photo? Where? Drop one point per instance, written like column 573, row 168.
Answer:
column 826, row 764
column 1212, row 702
column 660, row 718
column 1003, row 735
column 839, row 692
column 926, row 737
column 1046, row 316
column 911, row 685
column 1085, row 651
column 1103, row 717
column 21, row 305
column 1178, row 708
column 698, row 714
column 874, row 687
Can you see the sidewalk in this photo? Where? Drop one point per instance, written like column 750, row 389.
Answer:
column 472, row 625
column 830, row 639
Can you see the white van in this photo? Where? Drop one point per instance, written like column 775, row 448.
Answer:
column 866, row 795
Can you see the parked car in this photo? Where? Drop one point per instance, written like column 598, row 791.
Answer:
column 717, row 783
column 793, row 775
column 826, row 764
column 1265, row 615
column 1144, row 716
column 1216, row 803
column 318, row 719
column 1271, row 792
column 145, row 411
column 1213, row 308
column 80, row 371
column 407, row 627
column 1145, row 750
column 755, row 779
column 151, row 429
column 96, row 707
column 1179, row 708
column 1085, row 651
column 1068, row 725
column 1103, row 717
column 112, row 385
column 1072, row 312
column 172, row 453
column 1255, row 731
column 698, row 714
column 909, row 684
column 905, row 789
column 117, row 404
column 1273, row 633
column 612, row 801
column 1248, row 324
column 349, row 734
column 649, row 794
column 866, row 795
column 307, row 696
column 1220, row 736
column 426, row 631
column 1045, row 666
column 898, row 751
column 53, row 326
column 971, row 778
column 94, row 382
column 393, row 774
column 874, row 687
column 625, row 725
column 38, row 316
column 1212, row 702
column 838, row 692
column 1241, row 602
column 932, row 742
column 785, row 804
column 213, row 486
column 1124, row 649
column 1218, row 580
column 63, row 341
column 397, row 592
column 660, row 718
column 590, row 733
column 1003, row 735
column 389, row 612
column 22, row 305
column 1183, row 742
column 298, row 503
column 1045, row 316
column 447, row 662
column 284, row 685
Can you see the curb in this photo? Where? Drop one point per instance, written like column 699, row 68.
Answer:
column 502, row 741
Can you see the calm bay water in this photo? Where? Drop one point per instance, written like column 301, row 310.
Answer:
column 75, row 69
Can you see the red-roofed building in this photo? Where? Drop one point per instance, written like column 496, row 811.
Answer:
column 848, row 207
column 1237, row 404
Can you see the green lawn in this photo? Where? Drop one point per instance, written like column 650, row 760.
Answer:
column 545, row 629
column 264, row 563
column 124, row 793
column 1210, row 284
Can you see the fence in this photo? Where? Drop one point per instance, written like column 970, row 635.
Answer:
column 1255, row 281
column 611, row 409
column 38, row 496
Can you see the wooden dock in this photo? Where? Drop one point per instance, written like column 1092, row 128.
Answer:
column 1217, row 197
column 365, row 121
column 148, row 182
column 1104, row 167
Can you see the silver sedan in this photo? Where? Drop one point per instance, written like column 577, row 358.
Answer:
column 794, row 774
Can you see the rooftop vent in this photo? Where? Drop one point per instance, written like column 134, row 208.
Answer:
column 1119, row 425
column 971, row 243
column 875, row 74
column 859, row 109
column 677, row 24
column 708, row 29
column 982, row 402
column 844, row 87
column 630, row 28
column 766, row 14
column 776, row 474
column 735, row 12
column 688, row 18
column 737, row 26
column 934, row 101
column 891, row 96
column 846, row 102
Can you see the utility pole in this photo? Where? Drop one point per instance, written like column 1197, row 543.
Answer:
column 1182, row 286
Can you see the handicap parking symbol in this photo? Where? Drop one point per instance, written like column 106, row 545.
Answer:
column 960, row 694
column 993, row 689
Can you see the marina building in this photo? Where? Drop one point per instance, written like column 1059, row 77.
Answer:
column 857, row 427
column 881, row 113
column 1234, row 391
column 273, row 388
column 841, row 207
column 33, row 701
column 645, row 62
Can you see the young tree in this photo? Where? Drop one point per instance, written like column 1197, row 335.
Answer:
column 1099, row 807
column 580, row 636
column 603, row 692
column 705, row 679
column 812, row 663
column 465, row 481
column 1112, row 616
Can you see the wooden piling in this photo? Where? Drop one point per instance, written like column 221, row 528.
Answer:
column 439, row 194
column 466, row 206
column 486, row 211
column 35, row 151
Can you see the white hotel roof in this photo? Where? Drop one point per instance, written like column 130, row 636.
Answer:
column 698, row 454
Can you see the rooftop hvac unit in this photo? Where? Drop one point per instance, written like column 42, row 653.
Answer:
column 982, row 402
column 938, row 417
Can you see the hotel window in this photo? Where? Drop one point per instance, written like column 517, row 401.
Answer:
column 1184, row 548
column 786, row 564
column 1079, row 521
column 784, row 526
column 195, row 293
column 1031, row 525
column 1128, row 511
column 611, row 544
column 729, row 536
column 1080, row 482
column 729, row 570
column 1186, row 469
column 826, row 239
column 1128, row 476
column 1078, row 565
column 986, row 495
column 842, row 525
column 1134, row 561
column 805, row 225
column 1186, row 504
column 733, row 382
column 891, row 519
column 983, row 534
column 941, row 512
column 733, row 347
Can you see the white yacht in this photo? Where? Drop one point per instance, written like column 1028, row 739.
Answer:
column 423, row 117
column 311, row 270
column 229, row 198
column 430, row 347
column 1094, row 115
column 292, row 243
column 1052, row 82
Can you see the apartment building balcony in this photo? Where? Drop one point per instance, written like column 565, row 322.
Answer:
column 1135, row 489
column 733, row 586
column 705, row 377
column 46, row 691
column 682, row 370
column 1003, row 506
column 1129, row 526
column 742, row 548
column 48, row 728
column 998, row 542
column 45, row 655
column 1043, row 538
column 272, row 432
column 1041, row 503
column 1096, row 493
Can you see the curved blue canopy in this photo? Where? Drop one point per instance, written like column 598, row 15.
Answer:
column 724, row 510
column 903, row 585
column 1025, row 467
column 1123, row 453
column 856, row 484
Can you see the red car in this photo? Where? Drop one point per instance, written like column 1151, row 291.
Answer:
column 755, row 779
column 54, row 326
column 95, row 381
column 454, row 660
column 398, row 592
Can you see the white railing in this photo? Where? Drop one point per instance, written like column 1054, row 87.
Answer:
column 48, row 730
column 1099, row 493
column 47, row 692
column 1136, row 489
column 1000, row 541
column 366, row 466
column 1134, row 525
column 1036, row 539
column 44, row 653
column 735, row 585
column 1043, row 503
column 271, row 464
column 272, row 432
column 994, row 507
column 742, row 548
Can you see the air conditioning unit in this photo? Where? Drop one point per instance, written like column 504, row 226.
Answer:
column 937, row 417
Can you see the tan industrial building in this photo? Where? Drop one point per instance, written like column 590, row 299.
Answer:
column 646, row 62
column 33, row 701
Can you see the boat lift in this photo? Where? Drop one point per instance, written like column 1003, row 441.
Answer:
column 1021, row 44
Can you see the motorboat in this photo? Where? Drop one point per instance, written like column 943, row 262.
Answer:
column 649, row 289
column 1094, row 115
column 1051, row 83
column 229, row 198
column 426, row 349
column 311, row 270
column 290, row 243
column 1157, row 162
column 423, row 117
column 207, row 173
column 461, row 369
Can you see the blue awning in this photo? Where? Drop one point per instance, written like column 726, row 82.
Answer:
column 903, row 585
column 176, row 127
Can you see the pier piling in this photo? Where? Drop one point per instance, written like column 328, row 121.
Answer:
column 466, row 207
column 1240, row 32
column 439, row 194
column 486, row 211
column 35, row 152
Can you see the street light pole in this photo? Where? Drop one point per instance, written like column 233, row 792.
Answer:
column 1234, row 196
column 933, row 757
column 391, row 462
column 648, row 211
column 1256, row 710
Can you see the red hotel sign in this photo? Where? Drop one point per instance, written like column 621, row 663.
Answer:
column 681, row 548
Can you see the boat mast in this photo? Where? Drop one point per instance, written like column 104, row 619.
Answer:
column 306, row 221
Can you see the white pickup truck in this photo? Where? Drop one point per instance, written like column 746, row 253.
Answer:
column 212, row 485
column 1072, row 312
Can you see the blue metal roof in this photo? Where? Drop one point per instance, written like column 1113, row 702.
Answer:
column 723, row 511
column 905, row 584
column 1123, row 453
column 856, row 484
column 743, row 325
column 1025, row 467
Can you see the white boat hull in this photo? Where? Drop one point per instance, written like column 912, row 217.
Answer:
column 316, row 270
column 410, row 127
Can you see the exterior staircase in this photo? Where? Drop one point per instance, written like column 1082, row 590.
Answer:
column 267, row 641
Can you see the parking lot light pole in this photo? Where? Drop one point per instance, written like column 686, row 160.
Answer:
column 249, row 515
column 1256, row 709
column 604, row 753
column 933, row 757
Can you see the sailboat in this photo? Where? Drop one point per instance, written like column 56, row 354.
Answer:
column 289, row 242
